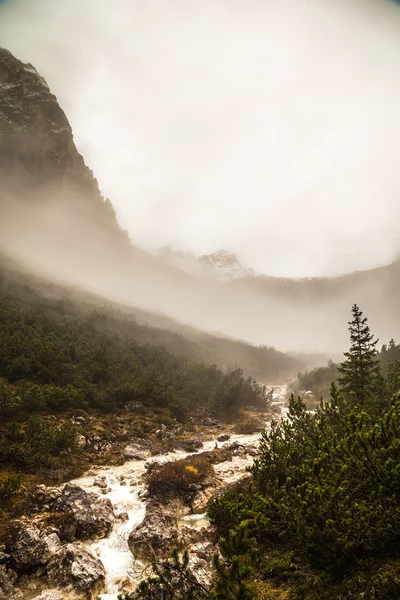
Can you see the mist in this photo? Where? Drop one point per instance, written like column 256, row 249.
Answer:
column 268, row 128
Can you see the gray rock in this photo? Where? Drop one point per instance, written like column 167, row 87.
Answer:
column 100, row 481
column 224, row 437
column 155, row 536
column 192, row 445
column 31, row 548
column 74, row 568
column 136, row 452
column 93, row 517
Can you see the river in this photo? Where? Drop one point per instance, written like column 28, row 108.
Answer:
column 126, row 492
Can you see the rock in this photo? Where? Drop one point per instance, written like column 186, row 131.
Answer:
column 238, row 486
column 50, row 595
column 155, row 536
column 136, row 452
column 210, row 422
column 241, row 452
column 80, row 420
column 192, row 445
column 122, row 516
column 100, row 481
column 93, row 517
column 123, row 482
column 76, row 569
column 7, row 581
column 31, row 547
column 224, row 437
column 200, row 501
column 195, row 487
column 81, row 441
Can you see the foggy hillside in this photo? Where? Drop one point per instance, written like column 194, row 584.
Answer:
column 55, row 220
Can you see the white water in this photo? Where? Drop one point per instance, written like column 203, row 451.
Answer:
column 121, row 567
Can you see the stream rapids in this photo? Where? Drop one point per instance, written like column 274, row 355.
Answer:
column 126, row 490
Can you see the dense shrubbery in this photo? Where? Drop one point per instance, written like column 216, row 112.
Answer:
column 326, row 488
column 178, row 476
column 55, row 360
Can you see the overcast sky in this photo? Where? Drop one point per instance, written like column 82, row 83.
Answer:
column 267, row 127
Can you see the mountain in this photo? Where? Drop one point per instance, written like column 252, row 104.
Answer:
column 37, row 151
column 220, row 265
column 55, row 221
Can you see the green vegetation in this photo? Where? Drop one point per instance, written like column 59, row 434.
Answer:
column 61, row 357
column 323, row 507
column 178, row 476
column 173, row 579
column 325, row 500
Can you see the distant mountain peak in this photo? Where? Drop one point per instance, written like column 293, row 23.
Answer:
column 220, row 265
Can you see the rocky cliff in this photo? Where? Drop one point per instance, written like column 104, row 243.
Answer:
column 38, row 158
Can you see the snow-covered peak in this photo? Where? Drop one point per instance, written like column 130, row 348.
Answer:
column 220, row 265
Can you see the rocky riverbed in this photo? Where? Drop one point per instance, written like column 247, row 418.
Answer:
column 94, row 536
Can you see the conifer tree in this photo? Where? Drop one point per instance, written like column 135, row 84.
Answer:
column 360, row 372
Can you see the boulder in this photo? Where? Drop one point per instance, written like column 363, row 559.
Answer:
column 136, row 452
column 76, row 569
column 191, row 445
column 32, row 548
column 93, row 517
column 155, row 536
column 224, row 437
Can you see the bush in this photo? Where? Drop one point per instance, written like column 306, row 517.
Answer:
column 250, row 425
column 177, row 476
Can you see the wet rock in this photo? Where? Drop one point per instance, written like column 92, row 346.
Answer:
column 76, row 569
column 122, row 516
column 100, row 481
column 155, row 536
column 136, row 452
column 224, row 437
column 31, row 547
column 93, row 517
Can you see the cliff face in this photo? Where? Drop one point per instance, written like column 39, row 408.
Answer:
column 37, row 152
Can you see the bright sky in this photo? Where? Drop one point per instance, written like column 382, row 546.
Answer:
column 267, row 127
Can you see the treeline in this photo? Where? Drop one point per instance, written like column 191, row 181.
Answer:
column 318, row 380
column 53, row 361
column 260, row 362
column 321, row 517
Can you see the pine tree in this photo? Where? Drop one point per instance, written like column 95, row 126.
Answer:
column 360, row 372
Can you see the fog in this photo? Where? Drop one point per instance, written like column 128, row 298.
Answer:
column 268, row 127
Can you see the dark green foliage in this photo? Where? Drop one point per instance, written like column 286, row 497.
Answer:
column 318, row 380
column 360, row 373
column 53, row 360
column 235, row 566
column 326, row 487
column 173, row 579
